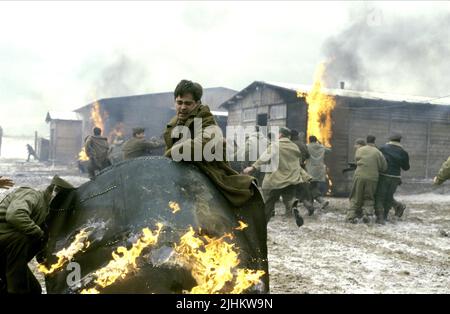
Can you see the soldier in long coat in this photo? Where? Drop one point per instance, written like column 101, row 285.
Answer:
column 284, row 179
column 236, row 188
column 96, row 147
column 240, row 190
column 315, row 166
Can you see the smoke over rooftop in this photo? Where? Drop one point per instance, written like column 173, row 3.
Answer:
column 122, row 75
column 385, row 51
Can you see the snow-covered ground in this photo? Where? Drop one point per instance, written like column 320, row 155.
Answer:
column 328, row 255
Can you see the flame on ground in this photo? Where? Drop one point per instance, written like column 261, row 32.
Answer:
column 79, row 244
column 174, row 206
column 124, row 260
column 213, row 263
column 242, row 225
column 320, row 107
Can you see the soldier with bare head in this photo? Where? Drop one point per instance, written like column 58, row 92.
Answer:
column 397, row 159
column 96, row 147
column 138, row 146
column 369, row 163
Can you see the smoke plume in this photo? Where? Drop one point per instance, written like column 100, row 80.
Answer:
column 391, row 52
column 123, row 76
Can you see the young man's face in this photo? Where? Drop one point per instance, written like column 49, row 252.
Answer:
column 184, row 106
column 140, row 135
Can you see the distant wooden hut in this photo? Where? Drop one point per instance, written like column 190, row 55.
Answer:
column 423, row 122
column 65, row 136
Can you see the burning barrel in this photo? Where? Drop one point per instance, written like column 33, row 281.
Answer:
column 152, row 225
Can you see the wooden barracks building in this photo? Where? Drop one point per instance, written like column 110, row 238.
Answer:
column 424, row 124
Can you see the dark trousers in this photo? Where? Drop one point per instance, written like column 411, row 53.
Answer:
column 95, row 166
column 304, row 192
column 384, row 197
column 318, row 189
column 16, row 251
column 34, row 156
column 272, row 196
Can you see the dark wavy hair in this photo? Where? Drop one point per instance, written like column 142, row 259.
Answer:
column 188, row 87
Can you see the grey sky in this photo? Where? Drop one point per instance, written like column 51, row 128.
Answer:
column 62, row 55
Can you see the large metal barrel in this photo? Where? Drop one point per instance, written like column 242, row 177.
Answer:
column 134, row 194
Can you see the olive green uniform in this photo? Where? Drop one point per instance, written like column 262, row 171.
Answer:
column 22, row 223
column 138, row 147
column 22, row 213
column 284, row 180
column 97, row 148
column 369, row 163
column 444, row 172
column 315, row 165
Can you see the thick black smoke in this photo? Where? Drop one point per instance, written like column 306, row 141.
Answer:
column 392, row 52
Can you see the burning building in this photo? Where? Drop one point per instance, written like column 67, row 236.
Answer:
column 119, row 115
column 339, row 116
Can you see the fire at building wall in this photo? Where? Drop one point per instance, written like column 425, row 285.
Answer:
column 117, row 117
column 338, row 116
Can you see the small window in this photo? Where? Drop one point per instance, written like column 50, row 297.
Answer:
column 278, row 112
column 249, row 115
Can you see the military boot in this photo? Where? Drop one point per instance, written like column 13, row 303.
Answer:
column 298, row 217
column 322, row 202
column 309, row 206
column 352, row 217
column 366, row 215
column 385, row 214
column 379, row 213
column 400, row 209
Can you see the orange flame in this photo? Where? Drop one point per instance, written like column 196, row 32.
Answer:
column 80, row 244
column 82, row 155
column 330, row 185
column 242, row 225
column 97, row 121
column 213, row 263
column 96, row 116
column 122, row 264
column 174, row 206
column 116, row 132
column 320, row 107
